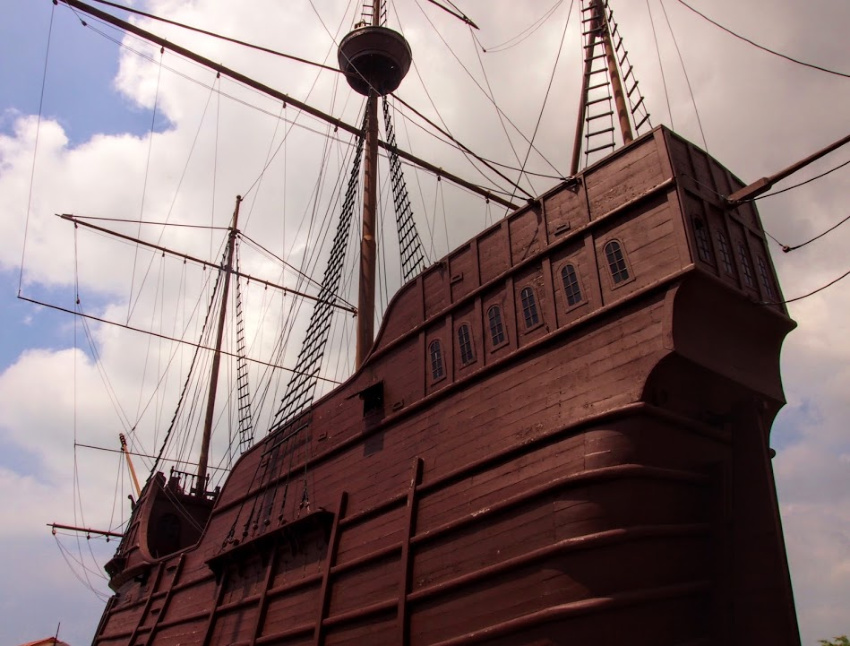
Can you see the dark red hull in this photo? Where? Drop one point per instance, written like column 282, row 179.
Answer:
column 600, row 475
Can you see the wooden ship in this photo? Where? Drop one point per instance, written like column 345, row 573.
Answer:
column 559, row 435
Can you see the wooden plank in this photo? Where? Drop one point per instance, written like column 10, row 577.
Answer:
column 325, row 593
column 406, row 564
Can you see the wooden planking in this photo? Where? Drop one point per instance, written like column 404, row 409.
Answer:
column 566, row 209
column 626, row 176
column 436, row 293
column 372, row 631
column 569, row 576
column 407, row 308
column 294, row 608
column 463, row 271
column 636, row 620
column 527, row 233
column 374, row 581
column 366, row 537
column 493, row 252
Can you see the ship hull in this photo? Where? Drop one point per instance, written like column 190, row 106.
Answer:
column 601, row 475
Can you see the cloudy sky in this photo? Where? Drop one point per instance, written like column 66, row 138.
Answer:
column 103, row 150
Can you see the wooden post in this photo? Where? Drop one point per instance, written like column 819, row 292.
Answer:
column 325, row 592
column 203, row 460
column 366, row 294
column 403, row 638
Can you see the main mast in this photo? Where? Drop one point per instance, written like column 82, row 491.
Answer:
column 203, row 461
column 374, row 60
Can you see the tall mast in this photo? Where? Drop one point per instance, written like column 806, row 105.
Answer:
column 368, row 246
column 203, row 460
column 374, row 60
column 599, row 30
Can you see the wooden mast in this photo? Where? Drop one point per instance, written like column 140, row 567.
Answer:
column 599, row 28
column 200, row 486
column 366, row 295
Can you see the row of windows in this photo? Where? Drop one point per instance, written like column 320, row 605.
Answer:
column 704, row 251
column 531, row 317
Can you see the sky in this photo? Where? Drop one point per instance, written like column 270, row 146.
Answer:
column 125, row 132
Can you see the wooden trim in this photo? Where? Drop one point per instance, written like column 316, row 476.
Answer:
column 262, row 604
column 325, row 592
column 595, row 475
column 214, row 610
column 177, row 570
column 577, row 608
column 575, row 543
column 406, row 563
column 149, row 602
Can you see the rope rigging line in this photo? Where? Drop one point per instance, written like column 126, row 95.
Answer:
column 35, row 147
column 523, row 35
column 455, row 143
column 299, row 392
column 548, row 87
column 762, row 47
column 787, row 248
column 685, row 72
column 218, row 36
column 811, row 293
column 130, row 303
column 409, row 242
column 660, row 64
column 803, row 183
column 478, row 85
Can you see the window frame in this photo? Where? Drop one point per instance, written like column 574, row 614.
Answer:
column 764, row 274
column 727, row 259
column 576, row 282
column 746, row 266
column 436, row 344
column 466, row 347
column 629, row 276
column 529, row 305
column 702, row 235
column 502, row 333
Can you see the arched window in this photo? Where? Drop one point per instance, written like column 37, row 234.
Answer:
column 529, row 307
column 725, row 253
column 436, row 352
column 703, row 245
column 571, row 286
column 616, row 262
column 497, row 330
column 464, row 341
column 745, row 265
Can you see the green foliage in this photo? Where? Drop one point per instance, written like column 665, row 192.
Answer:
column 838, row 641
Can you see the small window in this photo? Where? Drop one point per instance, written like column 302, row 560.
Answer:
column 436, row 352
column 464, row 341
column 616, row 262
column 765, row 278
column 745, row 265
column 529, row 308
column 497, row 330
column 725, row 253
column 703, row 245
column 571, row 286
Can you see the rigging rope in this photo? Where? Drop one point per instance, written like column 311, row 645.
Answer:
column 302, row 386
column 762, row 47
column 410, row 245
column 35, row 147
column 685, row 71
